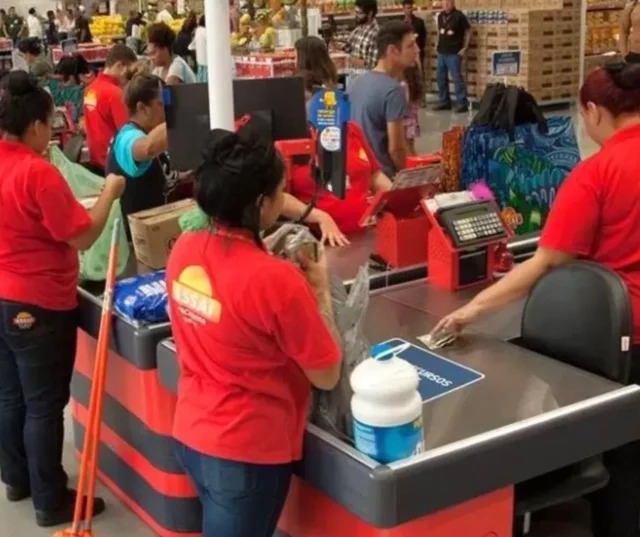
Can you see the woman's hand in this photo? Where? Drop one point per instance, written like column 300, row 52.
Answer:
column 115, row 185
column 331, row 233
column 455, row 322
column 317, row 272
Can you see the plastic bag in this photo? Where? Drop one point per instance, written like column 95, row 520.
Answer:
column 143, row 298
column 194, row 220
column 332, row 410
column 84, row 184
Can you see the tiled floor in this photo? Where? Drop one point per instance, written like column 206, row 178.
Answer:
column 17, row 520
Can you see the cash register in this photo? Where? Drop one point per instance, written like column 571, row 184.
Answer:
column 463, row 238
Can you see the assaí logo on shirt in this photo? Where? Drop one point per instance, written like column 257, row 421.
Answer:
column 90, row 99
column 193, row 293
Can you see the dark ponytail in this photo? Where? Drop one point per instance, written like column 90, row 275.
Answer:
column 237, row 172
column 22, row 103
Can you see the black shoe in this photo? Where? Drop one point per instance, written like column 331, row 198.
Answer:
column 461, row 108
column 16, row 494
column 442, row 106
column 64, row 515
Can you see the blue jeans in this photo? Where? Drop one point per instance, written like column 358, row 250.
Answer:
column 37, row 351
column 238, row 499
column 451, row 64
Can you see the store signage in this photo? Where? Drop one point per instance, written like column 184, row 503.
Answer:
column 329, row 111
column 438, row 375
column 506, row 63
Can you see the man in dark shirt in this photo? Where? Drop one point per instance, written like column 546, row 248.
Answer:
column 418, row 26
column 13, row 25
column 81, row 28
column 454, row 34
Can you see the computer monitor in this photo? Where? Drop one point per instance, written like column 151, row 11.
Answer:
column 279, row 101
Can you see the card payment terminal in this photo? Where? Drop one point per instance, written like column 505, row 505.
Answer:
column 463, row 238
column 472, row 223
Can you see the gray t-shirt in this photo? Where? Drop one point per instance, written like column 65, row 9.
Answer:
column 378, row 99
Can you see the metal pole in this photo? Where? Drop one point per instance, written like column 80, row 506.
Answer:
column 303, row 18
column 220, row 64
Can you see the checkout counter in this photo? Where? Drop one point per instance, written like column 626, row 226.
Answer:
column 526, row 416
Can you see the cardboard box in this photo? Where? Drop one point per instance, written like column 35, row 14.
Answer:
column 155, row 231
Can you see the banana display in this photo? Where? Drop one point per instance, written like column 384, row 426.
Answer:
column 105, row 27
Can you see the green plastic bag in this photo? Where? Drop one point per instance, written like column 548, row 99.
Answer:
column 84, row 184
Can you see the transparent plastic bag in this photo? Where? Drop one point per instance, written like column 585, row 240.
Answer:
column 332, row 410
column 84, row 184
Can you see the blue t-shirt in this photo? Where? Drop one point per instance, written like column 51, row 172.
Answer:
column 122, row 149
column 378, row 99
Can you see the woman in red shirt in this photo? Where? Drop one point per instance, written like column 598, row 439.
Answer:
column 253, row 334
column 42, row 227
column 605, row 190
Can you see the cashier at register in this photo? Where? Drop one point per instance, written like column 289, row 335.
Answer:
column 42, row 227
column 253, row 333
column 363, row 177
column 596, row 216
column 139, row 146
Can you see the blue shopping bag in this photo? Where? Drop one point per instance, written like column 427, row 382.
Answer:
column 524, row 174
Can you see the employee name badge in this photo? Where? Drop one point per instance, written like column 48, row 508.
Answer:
column 329, row 111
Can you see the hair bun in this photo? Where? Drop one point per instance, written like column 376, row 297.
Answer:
column 629, row 77
column 19, row 84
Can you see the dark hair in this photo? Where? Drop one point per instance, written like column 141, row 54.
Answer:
column 313, row 56
column 391, row 33
column 142, row 89
column 368, row 6
column 23, row 103
column 413, row 78
column 32, row 11
column 160, row 35
column 407, row 2
column 120, row 53
column 201, row 21
column 311, row 83
column 615, row 87
column 51, row 15
column 190, row 23
column 31, row 45
column 238, row 171
column 73, row 67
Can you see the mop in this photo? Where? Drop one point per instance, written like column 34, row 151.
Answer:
column 82, row 522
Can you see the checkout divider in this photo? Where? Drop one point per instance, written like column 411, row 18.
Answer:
column 527, row 416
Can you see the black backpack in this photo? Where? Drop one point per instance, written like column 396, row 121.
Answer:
column 504, row 107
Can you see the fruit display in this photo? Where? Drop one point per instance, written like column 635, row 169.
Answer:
column 176, row 24
column 240, row 40
column 105, row 27
column 264, row 35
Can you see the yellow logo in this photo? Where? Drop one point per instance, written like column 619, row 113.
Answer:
column 24, row 321
column 363, row 156
column 194, row 294
column 330, row 100
column 90, row 99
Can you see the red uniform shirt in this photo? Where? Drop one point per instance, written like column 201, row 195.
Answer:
column 38, row 216
column 104, row 114
column 362, row 164
column 246, row 324
column 596, row 214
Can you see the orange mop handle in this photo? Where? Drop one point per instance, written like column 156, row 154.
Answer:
column 100, row 381
column 99, row 367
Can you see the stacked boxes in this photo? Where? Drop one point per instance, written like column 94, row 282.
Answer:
column 549, row 42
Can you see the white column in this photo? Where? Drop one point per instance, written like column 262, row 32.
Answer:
column 220, row 64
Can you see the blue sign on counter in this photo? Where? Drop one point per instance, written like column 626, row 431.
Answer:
column 438, row 375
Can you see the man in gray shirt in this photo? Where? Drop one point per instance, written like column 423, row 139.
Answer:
column 378, row 101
